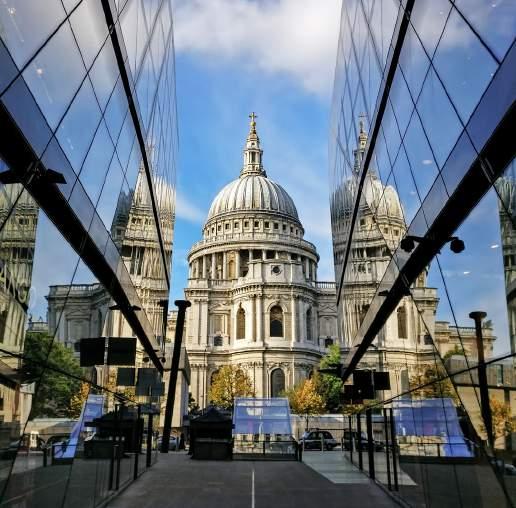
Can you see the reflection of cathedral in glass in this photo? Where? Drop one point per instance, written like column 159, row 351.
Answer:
column 506, row 187
column 17, row 239
column 134, row 232
column 405, row 344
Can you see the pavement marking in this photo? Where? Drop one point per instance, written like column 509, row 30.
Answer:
column 252, row 490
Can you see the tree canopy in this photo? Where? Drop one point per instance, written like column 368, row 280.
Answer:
column 434, row 383
column 57, row 394
column 230, row 382
column 305, row 400
column 328, row 386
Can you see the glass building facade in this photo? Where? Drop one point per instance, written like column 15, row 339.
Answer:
column 88, row 145
column 423, row 194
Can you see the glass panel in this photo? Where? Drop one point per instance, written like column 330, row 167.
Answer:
column 96, row 165
column 484, row 16
column 89, row 27
column 428, row 19
column 26, row 26
column 466, row 70
column 79, row 125
column 55, row 75
column 442, row 126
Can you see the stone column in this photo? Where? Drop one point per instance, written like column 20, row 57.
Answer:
column 264, row 254
column 307, row 268
column 294, row 337
column 203, row 322
column 204, row 266
column 259, row 319
column 213, row 266
column 302, row 321
column 237, row 264
column 253, row 318
column 224, row 265
column 233, row 323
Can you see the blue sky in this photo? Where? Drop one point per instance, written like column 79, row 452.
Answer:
column 279, row 71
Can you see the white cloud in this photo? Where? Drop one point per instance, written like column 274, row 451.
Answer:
column 186, row 210
column 297, row 39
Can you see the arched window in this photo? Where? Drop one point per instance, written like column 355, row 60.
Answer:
column 328, row 342
column 402, row 323
column 231, row 269
column 240, row 323
column 277, row 383
column 309, row 324
column 276, row 326
column 217, row 340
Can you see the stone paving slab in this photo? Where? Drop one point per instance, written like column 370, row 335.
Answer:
column 178, row 481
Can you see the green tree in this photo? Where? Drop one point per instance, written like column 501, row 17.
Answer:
column 78, row 399
column 329, row 386
column 503, row 422
column 433, row 382
column 55, row 390
column 456, row 350
column 304, row 399
column 229, row 383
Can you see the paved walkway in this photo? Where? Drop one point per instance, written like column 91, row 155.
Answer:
column 338, row 469
column 178, row 481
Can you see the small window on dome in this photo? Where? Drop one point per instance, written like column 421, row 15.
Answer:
column 227, row 226
column 395, row 232
column 246, row 224
column 362, row 222
column 291, row 229
column 297, row 231
column 212, row 230
column 267, row 224
column 284, row 227
column 276, row 225
column 386, row 231
column 256, row 224
column 236, row 225
column 219, row 228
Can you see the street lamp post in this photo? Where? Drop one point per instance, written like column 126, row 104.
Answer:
column 182, row 305
column 477, row 316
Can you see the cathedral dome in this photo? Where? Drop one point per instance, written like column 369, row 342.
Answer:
column 382, row 200
column 253, row 191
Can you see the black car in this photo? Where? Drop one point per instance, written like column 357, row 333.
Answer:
column 353, row 435
column 316, row 439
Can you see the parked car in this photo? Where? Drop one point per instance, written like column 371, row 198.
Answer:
column 353, row 435
column 316, row 439
column 172, row 443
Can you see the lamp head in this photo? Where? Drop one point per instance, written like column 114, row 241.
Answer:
column 457, row 245
column 407, row 244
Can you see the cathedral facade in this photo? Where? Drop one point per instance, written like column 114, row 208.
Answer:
column 256, row 300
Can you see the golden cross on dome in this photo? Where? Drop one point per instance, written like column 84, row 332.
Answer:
column 253, row 117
